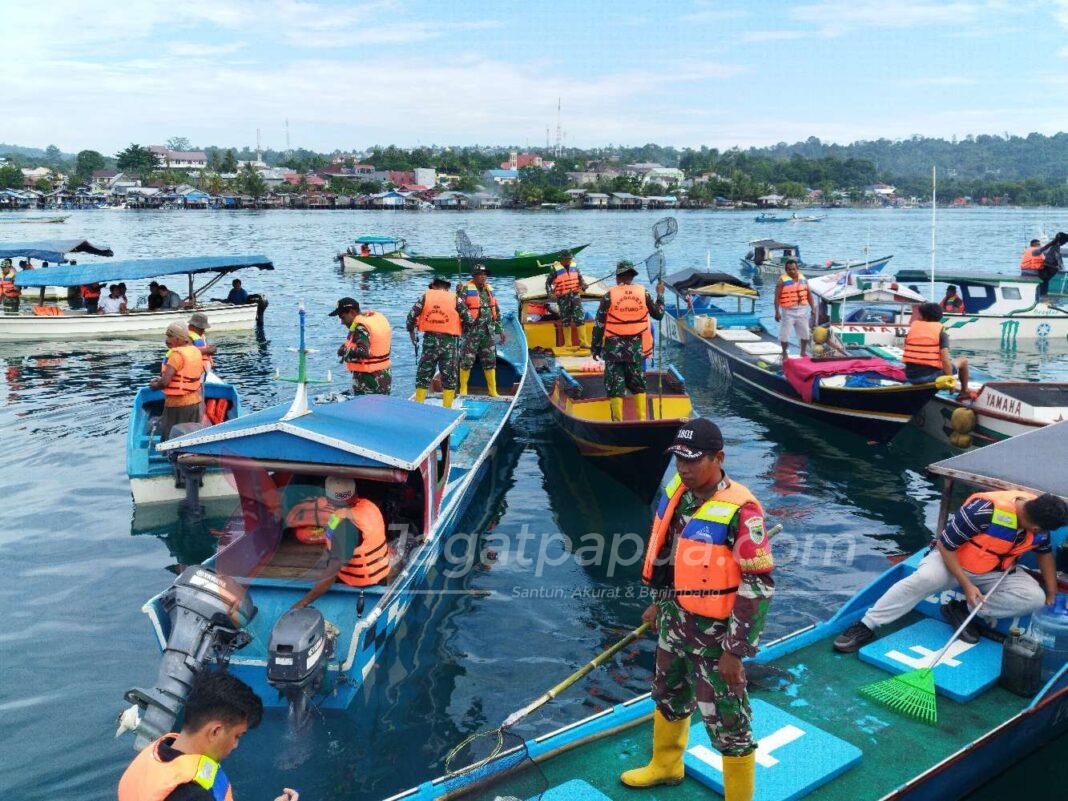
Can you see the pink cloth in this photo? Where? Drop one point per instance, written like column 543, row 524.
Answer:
column 801, row 373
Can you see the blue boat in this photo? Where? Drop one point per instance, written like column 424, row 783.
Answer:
column 768, row 257
column 51, row 250
column 420, row 463
column 764, row 217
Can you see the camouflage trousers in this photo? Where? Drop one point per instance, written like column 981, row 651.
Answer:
column 686, row 680
column 478, row 345
column 620, row 377
column 570, row 307
column 11, row 304
column 378, row 383
column 438, row 354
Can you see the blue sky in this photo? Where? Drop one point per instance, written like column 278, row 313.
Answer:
column 349, row 75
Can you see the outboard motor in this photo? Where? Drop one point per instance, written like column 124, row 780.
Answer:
column 297, row 656
column 261, row 306
column 208, row 613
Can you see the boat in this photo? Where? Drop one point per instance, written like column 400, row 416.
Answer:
column 818, row 738
column 53, row 251
column 37, row 220
column 807, row 218
column 37, row 323
column 768, row 257
column 421, row 464
column 764, row 217
column 570, row 383
column 856, row 307
column 862, row 392
column 370, row 253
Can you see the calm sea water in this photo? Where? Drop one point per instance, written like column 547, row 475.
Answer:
column 77, row 568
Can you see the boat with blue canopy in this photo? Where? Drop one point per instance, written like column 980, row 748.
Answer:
column 42, row 322
column 49, row 251
column 767, row 257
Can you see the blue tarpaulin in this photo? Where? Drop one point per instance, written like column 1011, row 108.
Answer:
column 54, row 250
column 378, row 240
column 101, row 272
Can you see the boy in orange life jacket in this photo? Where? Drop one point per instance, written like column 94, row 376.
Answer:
column 709, row 564
column 926, row 355
column 795, row 307
column 181, row 379
column 982, row 540
column 185, row 766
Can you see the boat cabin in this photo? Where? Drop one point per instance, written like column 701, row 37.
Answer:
column 770, row 250
column 377, row 246
column 864, row 299
column 994, row 295
column 711, row 300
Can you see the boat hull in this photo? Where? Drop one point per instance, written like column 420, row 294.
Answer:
column 1050, row 324
column 162, row 489
column 774, row 266
column 77, row 325
column 518, row 266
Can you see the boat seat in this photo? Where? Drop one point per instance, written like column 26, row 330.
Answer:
column 964, row 672
column 760, row 348
column 793, row 757
column 459, row 434
column 737, row 335
column 474, row 409
column 573, row 790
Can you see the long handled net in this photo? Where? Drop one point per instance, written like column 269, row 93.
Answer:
column 664, row 231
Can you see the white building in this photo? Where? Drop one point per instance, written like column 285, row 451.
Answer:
column 426, row 176
column 180, row 159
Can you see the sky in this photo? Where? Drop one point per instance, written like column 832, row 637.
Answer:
column 348, row 75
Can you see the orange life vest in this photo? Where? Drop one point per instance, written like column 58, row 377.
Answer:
column 369, row 563
column 537, row 309
column 7, row 287
column 566, row 281
column 309, row 519
column 90, row 291
column 1030, row 263
column 439, row 315
column 953, row 305
column 474, row 301
column 647, row 342
column 149, row 778
column 215, row 409
column 793, row 293
column 706, row 575
column 628, row 313
column 188, row 379
column 923, row 344
column 1000, row 545
column 48, row 311
column 381, row 335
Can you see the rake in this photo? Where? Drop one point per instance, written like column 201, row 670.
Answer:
column 912, row 694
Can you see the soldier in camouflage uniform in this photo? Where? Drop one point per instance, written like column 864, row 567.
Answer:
column 564, row 284
column 365, row 352
column 705, row 634
column 621, row 337
column 441, row 335
column 483, row 333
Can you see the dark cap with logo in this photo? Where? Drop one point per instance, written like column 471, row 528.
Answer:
column 697, row 438
column 479, row 267
column 438, row 281
column 345, row 304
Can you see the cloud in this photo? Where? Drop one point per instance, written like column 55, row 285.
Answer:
column 774, row 36
column 836, row 17
column 198, row 50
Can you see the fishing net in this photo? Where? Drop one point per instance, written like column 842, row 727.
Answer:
column 465, row 248
column 489, row 756
column 664, row 231
column 654, row 265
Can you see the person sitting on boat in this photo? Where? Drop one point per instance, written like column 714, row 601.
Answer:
column 952, row 302
column 365, row 249
column 709, row 565
column 795, row 307
column 622, row 338
column 483, row 333
column 91, row 297
column 114, row 303
column 218, row 711
column 926, row 355
column 440, row 315
column 980, row 542
column 237, row 295
column 8, row 291
column 365, row 352
column 181, row 379
column 169, row 299
column 565, row 286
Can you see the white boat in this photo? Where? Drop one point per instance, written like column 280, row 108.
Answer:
column 54, row 252
column 768, row 257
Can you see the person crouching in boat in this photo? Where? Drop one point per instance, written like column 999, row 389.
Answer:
column 564, row 286
column 483, row 333
column 795, row 307
column 8, row 291
column 181, row 379
column 365, row 351
column 980, row 542
column 219, row 710
column 952, row 303
column 709, row 565
column 440, row 315
column 926, row 355
column 621, row 337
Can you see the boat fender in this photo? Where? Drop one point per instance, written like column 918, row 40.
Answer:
column 960, row 440
column 945, row 382
column 820, row 334
column 962, row 421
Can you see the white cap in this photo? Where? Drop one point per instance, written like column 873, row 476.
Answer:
column 340, row 489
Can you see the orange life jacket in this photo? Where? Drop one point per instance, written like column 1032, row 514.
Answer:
column 48, row 311
column 309, row 519
column 90, row 291
column 7, row 287
column 149, row 778
column 537, row 309
column 647, row 342
column 1000, row 545
column 923, row 344
column 706, row 575
column 474, row 301
column 953, row 305
column 369, row 563
column 793, row 293
column 628, row 314
column 215, row 409
column 188, row 379
column 381, row 335
column 1030, row 263
column 439, row 315
column 566, row 281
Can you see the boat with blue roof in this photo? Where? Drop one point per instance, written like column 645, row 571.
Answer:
column 767, row 257
column 49, row 252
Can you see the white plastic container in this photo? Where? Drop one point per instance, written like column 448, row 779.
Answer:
column 1050, row 627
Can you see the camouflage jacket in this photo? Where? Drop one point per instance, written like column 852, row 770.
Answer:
column 417, row 309
column 621, row 349
column 552, row 276
column 487, row 323
column 357, row 345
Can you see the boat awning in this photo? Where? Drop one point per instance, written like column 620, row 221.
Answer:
column 848, row 285
column 533, row 288
column 1022, row 462
column 367, row 431
column 101, row 272
column 377, row 240
column 54, row 250
column 921, row 276
column 692, row 279
column 771, row 244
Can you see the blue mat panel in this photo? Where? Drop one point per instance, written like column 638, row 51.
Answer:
column 459, row 434
column 474, row 410
column 574, row 790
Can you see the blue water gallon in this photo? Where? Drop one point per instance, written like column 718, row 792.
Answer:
column 1050, row 627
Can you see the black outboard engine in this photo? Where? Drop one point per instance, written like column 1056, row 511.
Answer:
column 261, row 306
column 208, row 614
column 297, row 656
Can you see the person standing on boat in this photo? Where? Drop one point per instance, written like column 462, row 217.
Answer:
column 483, row 333
column 440, row 315
column 952, row 302
column 198, row 328
column 91, row 297
column 795, row 307
column 926, row 355
column 181, row 379
column 709, row 565
column 8, row 291
column 622, row 338
column 365, row 351
column 980, row 542
column 565, row 286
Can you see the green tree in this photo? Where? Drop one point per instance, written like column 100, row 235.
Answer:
column 178, row 143
column 10, row 176
column 53, row 156
column 251, row 183
column 466, row 183
column 136, row 159
column 42, row 185
column 86, row 163
column 228, row 163
column 792, row 189
column 211, row 182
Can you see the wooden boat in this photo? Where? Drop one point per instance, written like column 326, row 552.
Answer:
column 764, row 217
column 32, row 324
column 53, row 251
column 36, row 220
column 570, row 383
column 807, row 218
column 818, row 737
column 370, row 253
column 768, row 257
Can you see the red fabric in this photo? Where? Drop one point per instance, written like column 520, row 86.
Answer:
column 801, row 373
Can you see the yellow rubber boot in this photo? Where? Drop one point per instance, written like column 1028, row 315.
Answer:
column 447, row 397
column 642, row 405
column 491, row 383
column 738, row 777
column 420, row 395
column 669, row 743
column 464, row 375
column 615, row 406
column 584, row 341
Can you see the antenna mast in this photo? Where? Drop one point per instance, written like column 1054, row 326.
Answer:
column 559, row 131
column 288, row 148
column 259, row 151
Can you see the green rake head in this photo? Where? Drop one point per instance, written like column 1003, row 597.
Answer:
column 911, row 694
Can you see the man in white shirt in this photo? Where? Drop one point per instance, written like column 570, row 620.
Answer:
column 114, row 303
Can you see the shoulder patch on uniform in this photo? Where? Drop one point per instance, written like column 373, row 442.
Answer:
column 755, row 528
